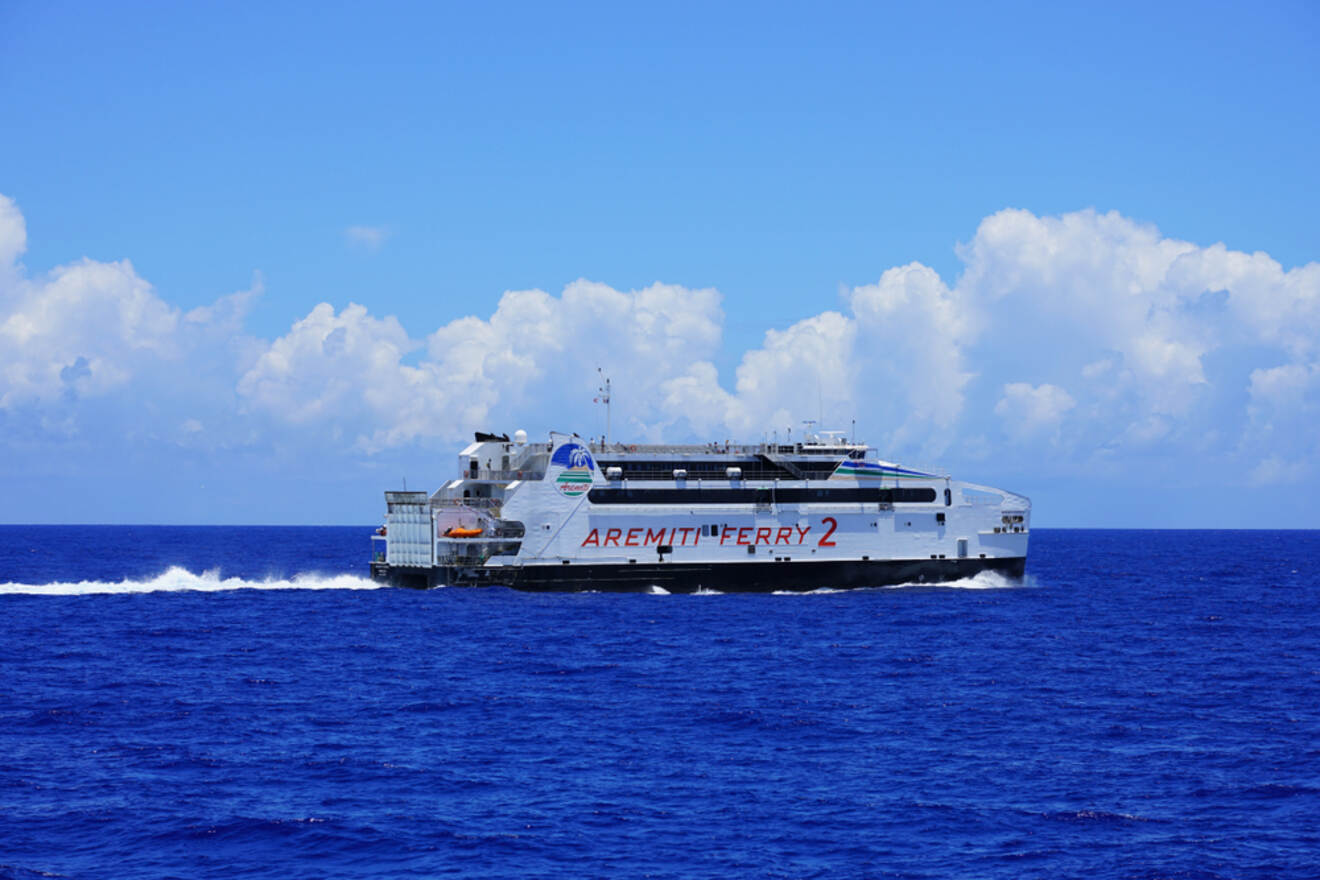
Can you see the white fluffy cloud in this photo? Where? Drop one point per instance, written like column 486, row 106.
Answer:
column 13, row 234
column 1088, row 330
column 85, row 328
column 1129, row 321
column 330, row 367
column 897, row 354
column 1283, row 428
column 1028, row 410
column 1085, row 336
column 347, row 372
column 789, row 378
column 90, row 350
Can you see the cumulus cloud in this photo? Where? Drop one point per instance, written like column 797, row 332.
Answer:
column 788, row 378
column 915, row 331
column 1127, row 320
column 1090, row 283
column 328, row 364
column 13, row 234
column 1028, row 409
column 1089, row 335
column 89, row 349
column 86, row 328
column 347, row 371
column 895, row 352
column 1281, row 389
column 1283, row 427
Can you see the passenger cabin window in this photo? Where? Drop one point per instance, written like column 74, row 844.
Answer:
column 948, row 497
column 761, row 495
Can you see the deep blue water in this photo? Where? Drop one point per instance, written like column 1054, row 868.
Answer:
column 1147, row 705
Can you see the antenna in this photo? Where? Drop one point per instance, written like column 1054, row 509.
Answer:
column 604, row 391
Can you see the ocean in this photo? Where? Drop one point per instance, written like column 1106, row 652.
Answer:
column 242, row 702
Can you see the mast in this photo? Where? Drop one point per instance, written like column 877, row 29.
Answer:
column 604, row 398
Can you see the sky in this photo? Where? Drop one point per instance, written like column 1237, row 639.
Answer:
column 261, row 262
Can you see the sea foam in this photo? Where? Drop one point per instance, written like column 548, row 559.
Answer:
column 177, row 579
column 984, row 580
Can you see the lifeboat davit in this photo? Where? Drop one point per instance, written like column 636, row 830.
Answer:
column 460, row 532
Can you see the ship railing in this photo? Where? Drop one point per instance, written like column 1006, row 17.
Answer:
column 776, row 452
column 752, row 472
column 508, row 532
column 474, row 503
column 744, row 449
column 473, row 553
column 719, row 447
column 845, row 449
column 498, row 475
column 933, row 470
column 487, row 534
column 982, row 497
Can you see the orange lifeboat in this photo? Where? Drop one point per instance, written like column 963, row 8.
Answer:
column 460, row 532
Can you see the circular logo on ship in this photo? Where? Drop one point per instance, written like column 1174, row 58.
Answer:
column 578, row 467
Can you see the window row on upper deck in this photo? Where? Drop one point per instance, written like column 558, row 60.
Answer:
column 762, row 496
column 702, row 469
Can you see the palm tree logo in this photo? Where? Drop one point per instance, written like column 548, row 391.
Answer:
column 576, row 477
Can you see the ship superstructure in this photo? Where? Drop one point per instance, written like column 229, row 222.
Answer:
column 573, row 514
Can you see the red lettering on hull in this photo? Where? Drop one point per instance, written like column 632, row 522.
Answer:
column 645, row 536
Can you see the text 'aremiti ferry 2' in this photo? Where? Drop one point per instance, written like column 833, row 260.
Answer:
column 571, row 514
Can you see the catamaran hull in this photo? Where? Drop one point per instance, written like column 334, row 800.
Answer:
column 724, row 577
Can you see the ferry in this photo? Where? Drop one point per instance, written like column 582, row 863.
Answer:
column 572, row 514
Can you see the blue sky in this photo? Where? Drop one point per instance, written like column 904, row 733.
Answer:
column 1112, row 212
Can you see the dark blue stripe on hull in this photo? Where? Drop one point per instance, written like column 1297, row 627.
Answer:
column 725, row 577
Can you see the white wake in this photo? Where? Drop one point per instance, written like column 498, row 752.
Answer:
column 985, row 580
column 179, row 579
